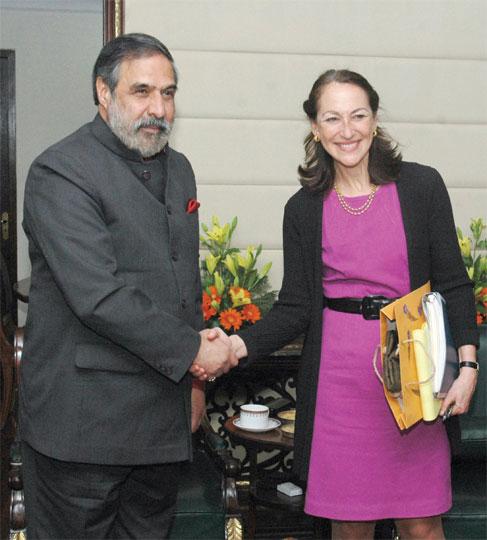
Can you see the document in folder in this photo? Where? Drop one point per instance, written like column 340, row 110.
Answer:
column 430, row 404
column 441, row 347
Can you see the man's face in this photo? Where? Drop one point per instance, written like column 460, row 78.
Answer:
column 141, row 109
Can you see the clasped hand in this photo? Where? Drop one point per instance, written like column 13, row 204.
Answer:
column 218, row 353
column 215, row 356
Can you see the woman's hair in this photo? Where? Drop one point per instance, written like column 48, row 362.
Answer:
column 318, row 172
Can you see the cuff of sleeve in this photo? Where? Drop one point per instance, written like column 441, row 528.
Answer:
column 187, row 353
column 469, row 336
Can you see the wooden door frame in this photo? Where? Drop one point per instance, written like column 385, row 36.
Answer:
column 8, row 89
column 113, row 19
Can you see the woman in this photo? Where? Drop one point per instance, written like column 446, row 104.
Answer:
column 364, row 223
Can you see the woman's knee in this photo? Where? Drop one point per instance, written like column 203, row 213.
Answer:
column 352, row 530
column 420, row 528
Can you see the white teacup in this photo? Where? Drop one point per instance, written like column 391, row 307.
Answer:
column 254, row 416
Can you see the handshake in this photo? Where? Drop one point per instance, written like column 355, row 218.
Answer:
column 218, row 353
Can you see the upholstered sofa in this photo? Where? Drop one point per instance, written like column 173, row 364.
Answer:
column 468, row 517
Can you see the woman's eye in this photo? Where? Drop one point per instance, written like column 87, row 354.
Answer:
column 331, row 119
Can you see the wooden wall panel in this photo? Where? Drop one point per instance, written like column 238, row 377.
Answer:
column 246, row 67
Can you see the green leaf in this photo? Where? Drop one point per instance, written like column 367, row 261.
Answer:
column 233, row 225
column 265, row 269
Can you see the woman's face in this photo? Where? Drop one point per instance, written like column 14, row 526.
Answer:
column 345, row 124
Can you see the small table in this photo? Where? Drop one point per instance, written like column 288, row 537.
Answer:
column 262, row 487
column 257, row 442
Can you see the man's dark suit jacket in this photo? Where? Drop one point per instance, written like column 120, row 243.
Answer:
column 114, row 311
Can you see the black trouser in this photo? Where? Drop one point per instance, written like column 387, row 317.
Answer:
column 65, row 500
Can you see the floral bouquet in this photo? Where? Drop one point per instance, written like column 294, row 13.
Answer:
column 473, row 253
column 235, row 292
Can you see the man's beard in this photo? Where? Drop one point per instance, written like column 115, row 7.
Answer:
column 147, row 144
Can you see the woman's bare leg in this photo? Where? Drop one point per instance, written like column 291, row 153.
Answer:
column 352, row 530
column 429, row 528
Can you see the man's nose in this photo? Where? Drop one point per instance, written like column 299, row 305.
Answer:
column 157, row 106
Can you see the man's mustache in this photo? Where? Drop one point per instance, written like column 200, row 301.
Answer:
column 160, row 123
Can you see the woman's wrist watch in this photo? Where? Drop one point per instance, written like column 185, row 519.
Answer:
column 470, row 364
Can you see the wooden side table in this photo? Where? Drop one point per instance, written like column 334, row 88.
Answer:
column 263, row 483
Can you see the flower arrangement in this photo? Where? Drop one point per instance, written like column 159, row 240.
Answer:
column 473, row 253
column 235, row 292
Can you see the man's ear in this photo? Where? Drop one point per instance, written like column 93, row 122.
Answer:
column 103, row 93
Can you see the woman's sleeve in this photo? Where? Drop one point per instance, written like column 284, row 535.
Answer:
column 289, row 317
column 448, row 273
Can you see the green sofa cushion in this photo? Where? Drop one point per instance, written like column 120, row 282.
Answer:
column 200, row 510
column 467, row 518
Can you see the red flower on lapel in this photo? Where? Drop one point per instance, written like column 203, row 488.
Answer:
column 192, row 206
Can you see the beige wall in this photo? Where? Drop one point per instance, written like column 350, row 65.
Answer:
column 55, row 48
column 246, row 67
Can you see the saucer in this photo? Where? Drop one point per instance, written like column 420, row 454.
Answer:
column 287, row 416
column 272, row 423
column 288, row 430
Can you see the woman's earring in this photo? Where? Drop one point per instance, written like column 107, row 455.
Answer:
column 316, row 138
column 374, row 133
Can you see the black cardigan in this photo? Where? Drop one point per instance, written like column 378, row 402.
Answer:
column 433, row 254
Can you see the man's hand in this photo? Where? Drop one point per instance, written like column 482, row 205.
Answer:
column 215, row 355
column 198, row 404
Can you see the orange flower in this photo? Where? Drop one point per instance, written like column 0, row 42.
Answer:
column 483, row 293
column 229, row 318
column 214, row 294
column 480, row 318
column 251, row 313
column 209, row 308
column 206, row 300
column 208, row 312
column 240, row 290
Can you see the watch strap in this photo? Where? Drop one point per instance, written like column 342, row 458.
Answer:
column 474, row 365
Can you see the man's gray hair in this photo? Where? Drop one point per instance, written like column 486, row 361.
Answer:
column 107, row 65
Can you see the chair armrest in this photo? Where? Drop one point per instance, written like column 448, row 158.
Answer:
column 217, row 448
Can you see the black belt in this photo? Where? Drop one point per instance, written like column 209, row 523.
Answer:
column 368, row 306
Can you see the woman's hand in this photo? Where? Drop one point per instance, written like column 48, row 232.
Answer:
column 238, row 346
column 461, row 391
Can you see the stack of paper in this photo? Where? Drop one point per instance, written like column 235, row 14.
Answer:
column 441, row 348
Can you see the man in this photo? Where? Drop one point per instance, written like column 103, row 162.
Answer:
column 113, row 329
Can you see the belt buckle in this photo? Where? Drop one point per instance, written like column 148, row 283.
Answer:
column 371, row 306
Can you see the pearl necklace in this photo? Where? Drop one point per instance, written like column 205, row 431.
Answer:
column 361, row 209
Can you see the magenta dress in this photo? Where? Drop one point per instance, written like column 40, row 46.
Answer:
column 362, row 466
